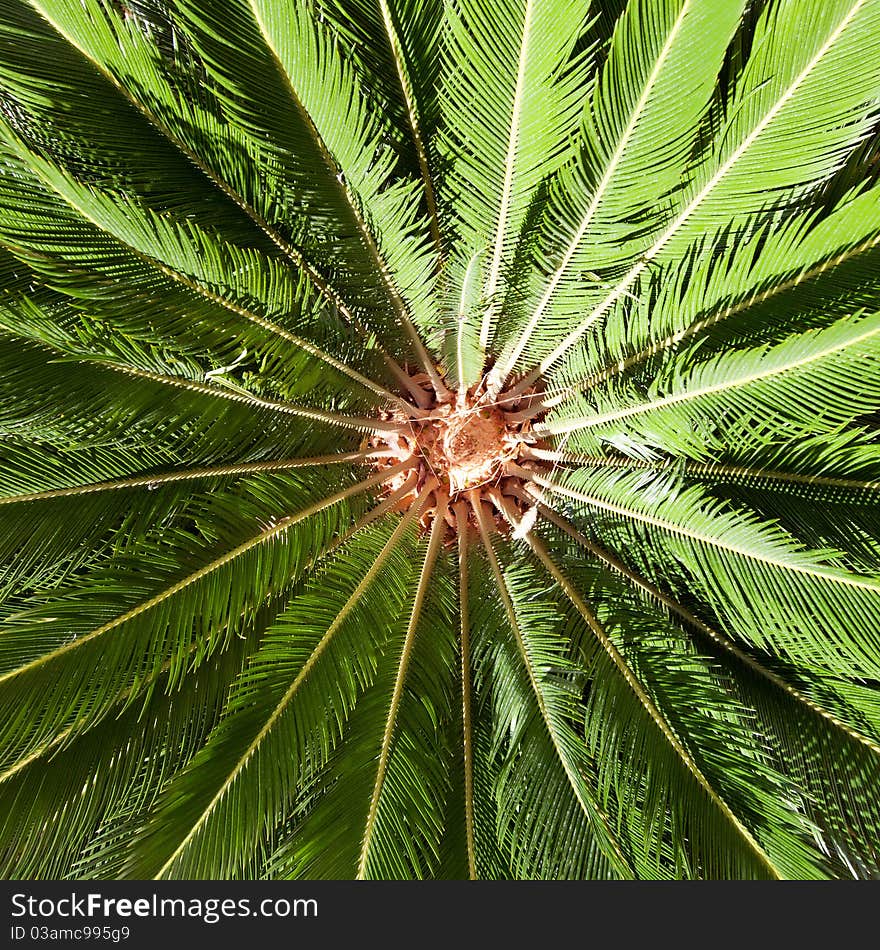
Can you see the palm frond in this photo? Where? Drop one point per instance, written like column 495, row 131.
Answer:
column 675, row 609
column 511, row 95
column 806, row 269
column 665, row 770
column 618, row 191
column 796, row 389
column 58, row 684
column 587, row 841
column 758, row 581
column 816, row 98
column 439, row 439
column 396, row 46
column 203, row 821
column 125, row 56
column 371, row 820
column 160, row 734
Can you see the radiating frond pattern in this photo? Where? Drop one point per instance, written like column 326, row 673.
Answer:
column 439, row 439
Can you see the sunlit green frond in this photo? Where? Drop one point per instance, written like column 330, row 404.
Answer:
column 330, row 168
column 371, row 819
column 181, row 250
column 37, row 378
column 205, row 824
column 155, row 64
column 48, row 534
column 559, row 827
column 71, row 793
column 439, row 440
column 52, row 680
column 511, row 93
column 756, row 288
column 168, row 317
column 740, row 403
column 749, row 747
column 132, row 54
column 815, row 99
column 759, row 582
column 638, row 132
column 675, row 791
column 396, row 46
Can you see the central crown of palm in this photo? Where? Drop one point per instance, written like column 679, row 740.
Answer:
column 439, row 438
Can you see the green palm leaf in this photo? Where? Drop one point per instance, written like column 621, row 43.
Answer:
column 439, row 439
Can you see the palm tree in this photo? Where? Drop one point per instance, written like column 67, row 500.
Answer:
column 439, row 438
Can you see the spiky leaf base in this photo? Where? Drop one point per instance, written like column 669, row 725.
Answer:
column 458, row 445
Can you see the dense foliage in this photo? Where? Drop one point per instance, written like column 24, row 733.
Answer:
column 244, row 244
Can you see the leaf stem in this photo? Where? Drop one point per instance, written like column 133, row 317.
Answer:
column 434, row 543
column 463, row 530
